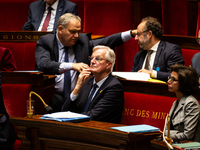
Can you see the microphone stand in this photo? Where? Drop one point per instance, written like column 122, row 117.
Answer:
column 29, row 113
column 168, row 138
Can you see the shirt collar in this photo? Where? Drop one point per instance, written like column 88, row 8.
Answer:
column 100, row 82
column 60, row 45
column 155, row 47
column 54, row 6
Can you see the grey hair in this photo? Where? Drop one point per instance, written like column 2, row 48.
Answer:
column 64, row 19
column 110, row 55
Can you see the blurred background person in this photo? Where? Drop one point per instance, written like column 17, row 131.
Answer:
column 7, row 61
column 43, row 15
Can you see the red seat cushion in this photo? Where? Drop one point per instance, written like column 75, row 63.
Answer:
column 15, row 97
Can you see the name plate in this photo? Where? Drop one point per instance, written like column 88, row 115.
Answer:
column 21, row 36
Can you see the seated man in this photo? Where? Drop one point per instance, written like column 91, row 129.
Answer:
column 156, row 56
column 65, row 53
column 101, row 96
column 42, row 19
column 7, row 131
column 7, row 61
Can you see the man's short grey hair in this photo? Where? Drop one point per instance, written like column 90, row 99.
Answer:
column 110, row 55
column 64, row 19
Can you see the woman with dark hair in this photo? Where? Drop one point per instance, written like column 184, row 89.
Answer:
column 184, row 113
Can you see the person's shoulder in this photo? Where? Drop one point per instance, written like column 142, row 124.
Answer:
column 47, row 37
column 69, row 2
column 167, row 43
column 37, row 3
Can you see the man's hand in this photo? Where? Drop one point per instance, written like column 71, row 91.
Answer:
column 81, row 80
column 146, row 71
column 79, row 66
column 134, row 32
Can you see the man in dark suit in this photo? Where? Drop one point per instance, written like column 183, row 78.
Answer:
column 7, row 131
column 52, row 48
column 38, row 11
column 106, row 102
column 161, row 54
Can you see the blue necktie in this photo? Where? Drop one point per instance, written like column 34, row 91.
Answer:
column 90, row 98
column 67, row 77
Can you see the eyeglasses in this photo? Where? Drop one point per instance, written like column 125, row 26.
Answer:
column 198, row 40
column 171, row 79
column 140, row 33
column 98, row 58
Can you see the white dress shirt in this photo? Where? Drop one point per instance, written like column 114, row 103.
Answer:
column 152, row 58
column 53, row 16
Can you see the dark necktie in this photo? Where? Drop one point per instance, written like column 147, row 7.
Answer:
column 67, row 77
column 90, row 98
column 149, row 52
column 46, row 21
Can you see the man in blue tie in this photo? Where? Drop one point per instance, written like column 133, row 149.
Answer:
column 101, row 96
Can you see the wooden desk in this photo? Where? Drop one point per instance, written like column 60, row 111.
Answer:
column 41, row 84
column 147, row 87
column 160, row 145
column 41, row 134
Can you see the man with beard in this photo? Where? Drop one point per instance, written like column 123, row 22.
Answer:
column 101, row 96
column 156, row 56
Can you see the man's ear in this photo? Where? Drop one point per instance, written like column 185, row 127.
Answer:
column 60, row 28
column 109, row 65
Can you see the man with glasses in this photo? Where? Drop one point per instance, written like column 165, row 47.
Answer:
column 101, row 96
column 156, row 56
column 65, row 53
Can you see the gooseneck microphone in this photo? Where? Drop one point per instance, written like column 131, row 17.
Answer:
column 30, row 113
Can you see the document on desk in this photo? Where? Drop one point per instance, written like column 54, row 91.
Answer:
column 132, row 75
column 137, row 128
column 188, row 146
column 66, row 116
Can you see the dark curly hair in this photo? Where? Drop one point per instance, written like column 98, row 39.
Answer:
column 188, row 79
column 152, row 24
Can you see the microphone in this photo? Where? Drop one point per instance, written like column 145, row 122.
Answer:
column 48, row 108
column 168, row 137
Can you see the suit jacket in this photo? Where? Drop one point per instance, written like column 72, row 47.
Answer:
column 36, row 11
column 195, row 62
column 107, row 104
column 7, row 61
column 7, row 131
column 186, row 120
column 46, row 55
column 166, row 55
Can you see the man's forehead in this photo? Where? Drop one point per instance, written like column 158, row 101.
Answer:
column 141, row 25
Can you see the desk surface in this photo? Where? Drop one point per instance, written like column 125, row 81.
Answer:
column 147, row 87
column 45, row 134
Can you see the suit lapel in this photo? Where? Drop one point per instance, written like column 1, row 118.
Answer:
column 55, row 47
column 141, row 61
column 40, row 13
column 100, row 90
column 158, row 54
column 77, row 50
column 58, row 12
column 180, row 106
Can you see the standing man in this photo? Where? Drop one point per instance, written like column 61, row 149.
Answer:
column 101, row 97
column 161, row 54
column 65, row 53
column 44, row 14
